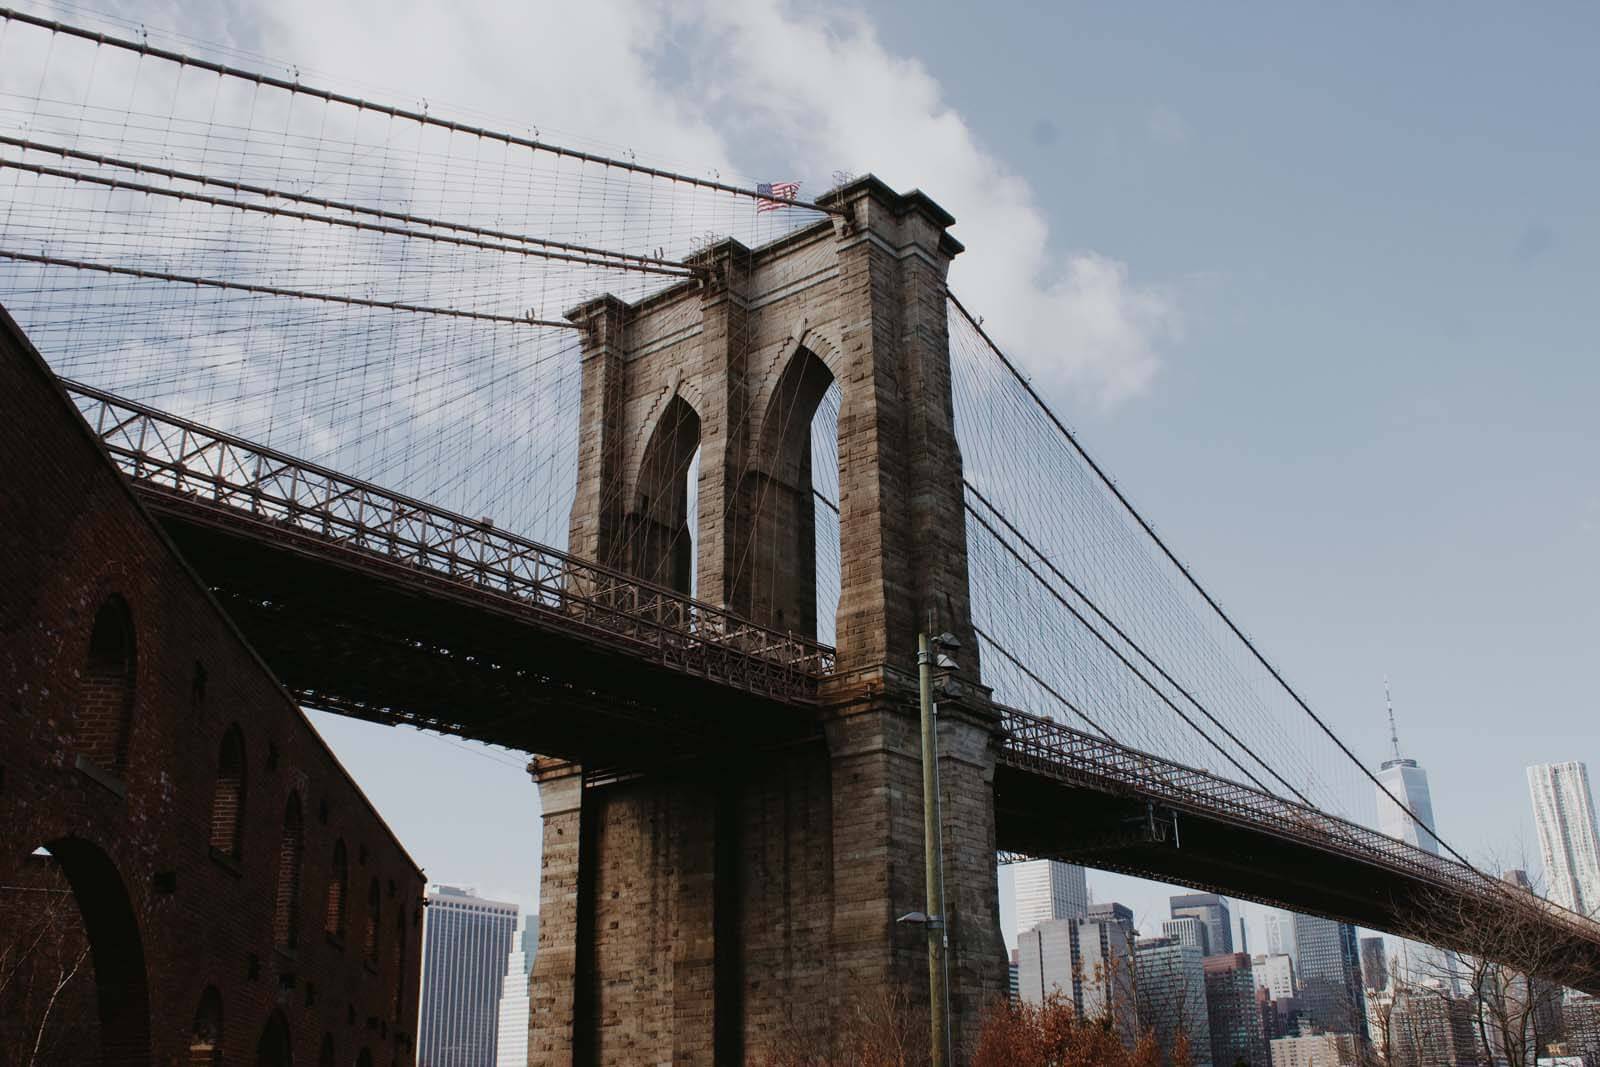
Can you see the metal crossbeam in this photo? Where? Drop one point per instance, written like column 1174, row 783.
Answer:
column 173, row 461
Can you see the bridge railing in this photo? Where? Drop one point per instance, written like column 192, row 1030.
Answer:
column 197, row 467
column 1056, row 750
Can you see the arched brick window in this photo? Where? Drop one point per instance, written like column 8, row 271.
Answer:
column 105, row 698
column 275, row 1049
column 205, row 1046
column 291, row 857
column 370, row 942
column 338, row 892
column 227, row 802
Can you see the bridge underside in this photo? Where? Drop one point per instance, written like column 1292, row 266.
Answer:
column 351, row 632
column 1124, row 831
column 1113, row 832
column 383, row 640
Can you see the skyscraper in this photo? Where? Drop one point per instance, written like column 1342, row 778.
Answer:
column 1405, row 808
column 1171, row 992
column 1113, row 912
column 1049, row 889
column 1275, row 974
column 1280, row 933
column 1428, row 1027
column 1374, row 964
column 465, row 942
column 1211, row 910
column 1405, row 811
column 1563, row 812
column 1329, row 966
column 1086, row 961
column 1237, row 1034
column 511, row 1037
column 1189, row 931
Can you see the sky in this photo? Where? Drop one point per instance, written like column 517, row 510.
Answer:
column 1317, row 283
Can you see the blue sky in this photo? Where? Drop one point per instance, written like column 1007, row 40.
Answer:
column 1317, row 283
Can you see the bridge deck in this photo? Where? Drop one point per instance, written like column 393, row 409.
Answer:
column 1150, row 817
column 381, row 606
column 386, row 607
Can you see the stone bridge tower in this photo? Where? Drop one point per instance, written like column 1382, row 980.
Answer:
column 736, row 912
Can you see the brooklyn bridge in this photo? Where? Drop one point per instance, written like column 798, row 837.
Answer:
column 656, row 477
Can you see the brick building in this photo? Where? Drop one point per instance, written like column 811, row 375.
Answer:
column 238, row 897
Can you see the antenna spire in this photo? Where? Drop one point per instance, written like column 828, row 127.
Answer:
column 1394, row 735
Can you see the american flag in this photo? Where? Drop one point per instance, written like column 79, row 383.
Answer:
column 779, row 192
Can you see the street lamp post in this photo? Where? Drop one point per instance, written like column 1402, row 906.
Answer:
column 933, row 846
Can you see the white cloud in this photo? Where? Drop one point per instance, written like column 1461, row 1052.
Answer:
column 716, row 82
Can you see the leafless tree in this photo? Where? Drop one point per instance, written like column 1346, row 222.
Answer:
column 46, row 977
column 1514, row 958
column 880, row 1031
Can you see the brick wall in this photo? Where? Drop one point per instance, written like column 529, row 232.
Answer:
column 112, row 756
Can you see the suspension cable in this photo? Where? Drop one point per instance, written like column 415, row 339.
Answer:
column 1103, row 617
column 273, row 290
column 331, row 220
column 1188, row 575
column 1040, row 682
column 1147, row 682
column 422, row 118
column 627, row 258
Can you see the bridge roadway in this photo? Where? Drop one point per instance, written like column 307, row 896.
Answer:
column 383, row 607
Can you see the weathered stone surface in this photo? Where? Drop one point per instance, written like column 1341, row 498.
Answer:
column 725, row 913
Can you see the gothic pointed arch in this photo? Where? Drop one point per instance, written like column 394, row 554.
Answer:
column 775, row 572
column 659, row 540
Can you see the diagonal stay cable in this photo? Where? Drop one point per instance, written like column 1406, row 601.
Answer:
column 625, row 260
column 1157, row 690
column 1041, row 683
column 331, row 220
column 1103, row 617
column 422, row 118
column 1188, row 575
column 272, row 290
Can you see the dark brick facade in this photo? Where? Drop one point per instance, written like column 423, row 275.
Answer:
column 205, row 830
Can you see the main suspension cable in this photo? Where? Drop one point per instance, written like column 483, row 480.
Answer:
column 627, row 260
column 422, row 118
column 332, row 220
column 272, row 290
column 1188, row 575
